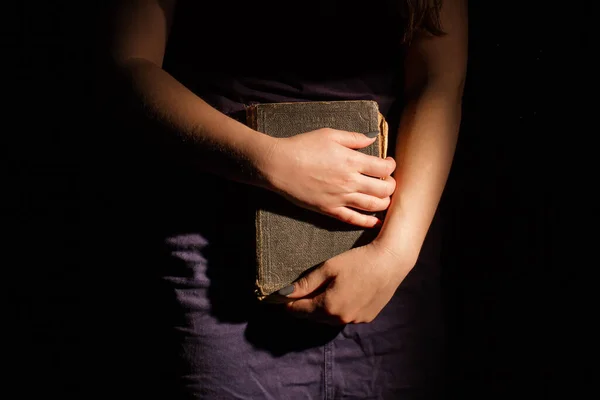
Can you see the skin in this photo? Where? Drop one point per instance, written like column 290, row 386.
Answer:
column 353, row 287
column 335, row 179
column 334, row 176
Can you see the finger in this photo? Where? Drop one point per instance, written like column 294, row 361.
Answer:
column 306, row 307
column 354, row 217
column 375, row 166
column 381, row 188
column 353, row 140
column 315, row 309
column 309, row 283
column 366, row 202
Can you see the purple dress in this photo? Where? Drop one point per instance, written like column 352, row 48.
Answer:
column 204, row 335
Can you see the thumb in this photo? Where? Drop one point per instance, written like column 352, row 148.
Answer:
column 306, row 284
column 355, row 140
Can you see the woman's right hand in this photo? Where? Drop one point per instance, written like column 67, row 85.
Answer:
column 322, row 171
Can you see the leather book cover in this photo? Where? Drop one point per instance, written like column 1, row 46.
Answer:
column 289, row 239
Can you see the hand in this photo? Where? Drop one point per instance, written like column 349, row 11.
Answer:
column 321, row 171
column 352, row 287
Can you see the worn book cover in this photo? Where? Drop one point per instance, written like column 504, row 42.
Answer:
column 289, row 239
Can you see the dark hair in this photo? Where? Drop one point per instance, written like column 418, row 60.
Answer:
column 421, row 17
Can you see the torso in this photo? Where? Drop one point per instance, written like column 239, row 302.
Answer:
column 234, row 53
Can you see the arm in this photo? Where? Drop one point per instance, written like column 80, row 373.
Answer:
column 214, row 142
column 435, row 74
column 190, row 126
column 360, row 282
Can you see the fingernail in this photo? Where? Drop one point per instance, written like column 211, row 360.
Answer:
column 372, row 134
column 286, row 291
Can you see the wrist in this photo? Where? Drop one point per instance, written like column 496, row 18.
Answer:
column 260, row 151
column 402, row 253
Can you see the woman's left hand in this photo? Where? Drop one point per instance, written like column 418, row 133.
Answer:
column 352, row 287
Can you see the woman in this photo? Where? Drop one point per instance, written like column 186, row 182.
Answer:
column 188, row 70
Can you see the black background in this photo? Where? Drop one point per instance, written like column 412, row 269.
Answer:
column 507, row 328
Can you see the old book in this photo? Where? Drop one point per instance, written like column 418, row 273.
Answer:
column 289, row 239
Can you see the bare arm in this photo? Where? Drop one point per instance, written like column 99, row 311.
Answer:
column 318, row 170
column 138, row 41
column 361, row 281
column 435, row 74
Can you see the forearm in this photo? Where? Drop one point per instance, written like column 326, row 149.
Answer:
column 187, row 128
column 425, row 148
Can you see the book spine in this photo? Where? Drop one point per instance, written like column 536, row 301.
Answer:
column 251, row 121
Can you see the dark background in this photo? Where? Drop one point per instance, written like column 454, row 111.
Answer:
column 508, row 328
